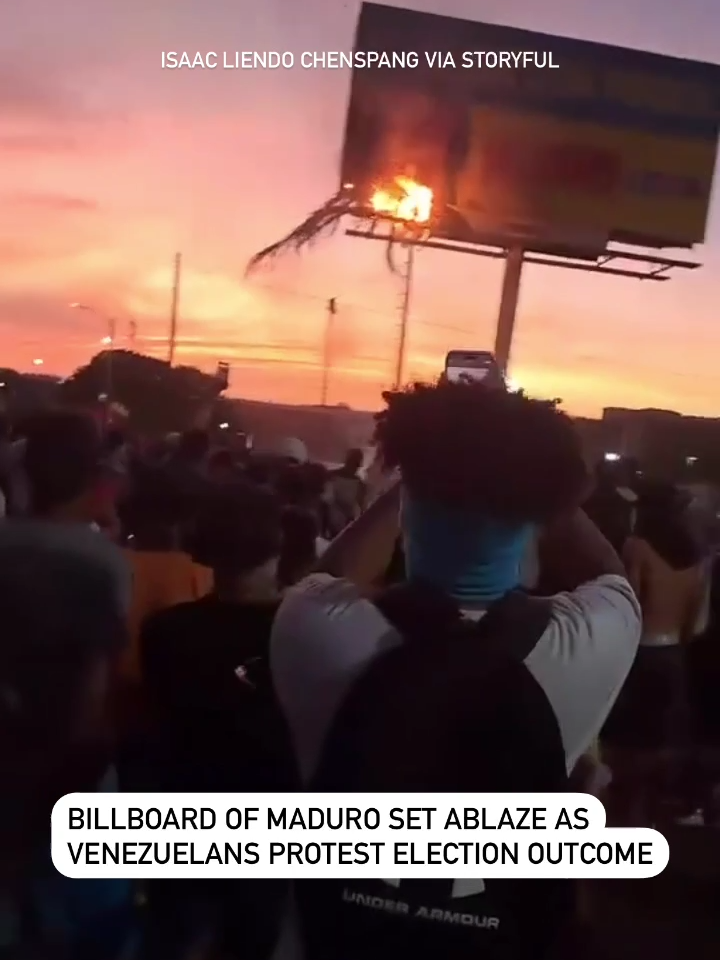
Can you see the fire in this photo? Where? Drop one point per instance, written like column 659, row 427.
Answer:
column 405, row 200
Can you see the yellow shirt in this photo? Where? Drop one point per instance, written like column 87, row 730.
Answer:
column 161, row 579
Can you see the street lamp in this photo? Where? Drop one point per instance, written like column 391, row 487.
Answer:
column 37, row 362
column 107, row 341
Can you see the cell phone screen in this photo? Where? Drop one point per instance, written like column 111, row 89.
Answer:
column 466, row 374
column 469, row 366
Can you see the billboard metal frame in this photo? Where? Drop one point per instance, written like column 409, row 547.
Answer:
column 515, row 257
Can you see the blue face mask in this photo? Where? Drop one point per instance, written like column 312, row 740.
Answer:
column 469, row 556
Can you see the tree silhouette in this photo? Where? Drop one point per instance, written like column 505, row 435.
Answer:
column 158, row 397
column 21, row 393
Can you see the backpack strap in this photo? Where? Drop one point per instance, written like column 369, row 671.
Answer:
column 514, row 625
column 419, row 610
column 511, row 626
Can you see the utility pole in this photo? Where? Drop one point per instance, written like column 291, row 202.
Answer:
column 110, row 366
column 172, row 339
column 327, row 350
column 404, row 317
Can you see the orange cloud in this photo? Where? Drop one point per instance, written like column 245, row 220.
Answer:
column 50, row 202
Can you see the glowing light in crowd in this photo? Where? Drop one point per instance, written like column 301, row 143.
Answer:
column 612, row 457
column 106, row 341
column 513, row 385
column 405, row 199
column 37, row 362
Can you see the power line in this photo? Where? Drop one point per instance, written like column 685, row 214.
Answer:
column 360, row 306
column 310, row 363
column 314, row 296
column 189, row 343
column 443, row 326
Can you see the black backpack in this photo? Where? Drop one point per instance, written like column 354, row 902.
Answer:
column 452, row 709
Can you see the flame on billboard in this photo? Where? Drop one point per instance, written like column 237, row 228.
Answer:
column 404, row 199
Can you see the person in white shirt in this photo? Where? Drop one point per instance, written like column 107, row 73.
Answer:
column 483, row 473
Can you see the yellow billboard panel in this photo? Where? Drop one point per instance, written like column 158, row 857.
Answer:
column 530, row 168
column 666, row 187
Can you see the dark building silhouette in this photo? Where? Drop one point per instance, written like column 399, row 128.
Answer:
column 665, row 443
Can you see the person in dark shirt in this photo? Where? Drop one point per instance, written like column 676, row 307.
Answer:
column 195, row 650
column 218, row 727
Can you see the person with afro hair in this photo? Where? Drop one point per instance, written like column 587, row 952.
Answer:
column 484, row 474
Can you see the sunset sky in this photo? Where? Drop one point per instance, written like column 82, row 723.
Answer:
column 108, row 165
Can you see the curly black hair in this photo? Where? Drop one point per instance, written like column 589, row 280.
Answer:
column 468, row 446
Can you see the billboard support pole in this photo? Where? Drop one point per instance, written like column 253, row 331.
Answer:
column 508, row 306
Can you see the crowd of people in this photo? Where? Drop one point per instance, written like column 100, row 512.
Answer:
column 476, row 612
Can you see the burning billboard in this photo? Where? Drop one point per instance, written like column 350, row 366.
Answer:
column 508, row 127
column 474, row 132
